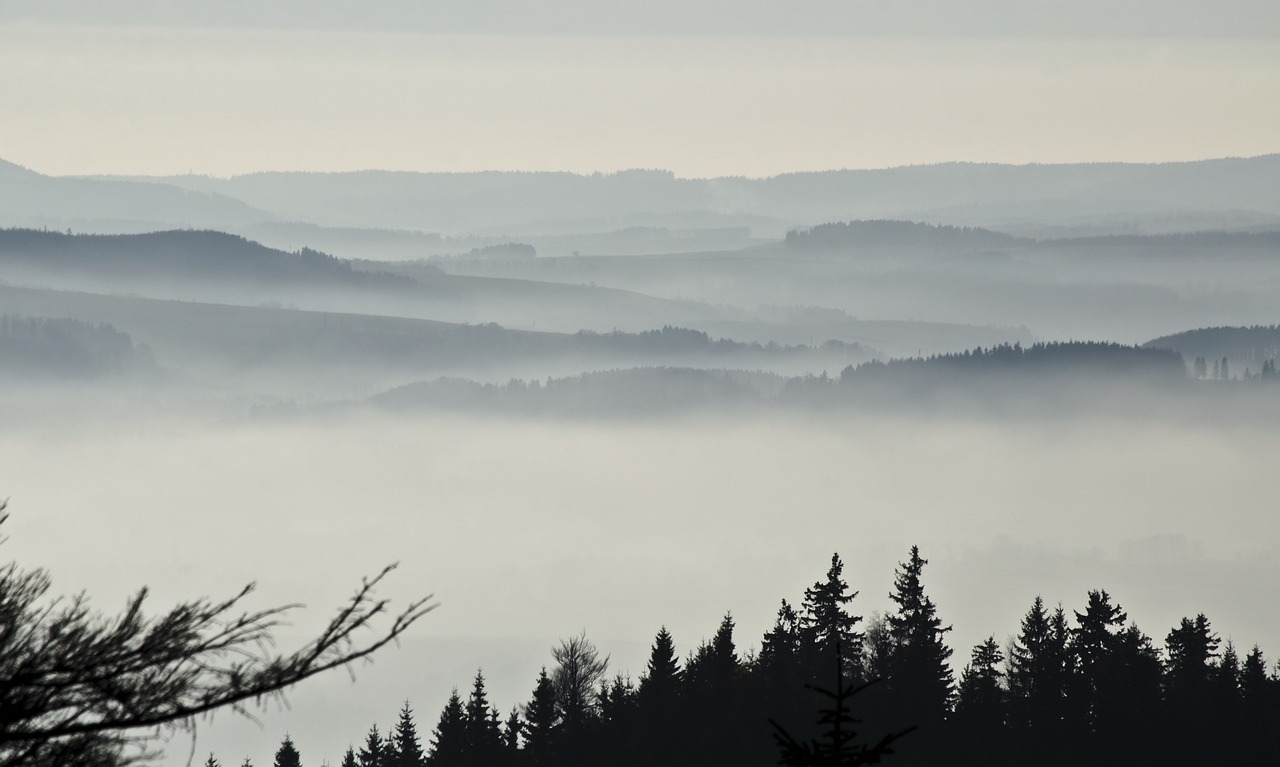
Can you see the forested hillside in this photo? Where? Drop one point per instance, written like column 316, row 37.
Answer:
column 853, row 235
column 1247, row 349
column 830, row 685
column 33, row 347
column 178, row 254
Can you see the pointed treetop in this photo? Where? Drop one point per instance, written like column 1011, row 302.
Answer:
column 287, row 755
column 404, row 744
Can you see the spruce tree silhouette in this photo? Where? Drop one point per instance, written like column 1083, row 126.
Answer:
column 837, row 746
column 403, row 742
column 372, row 752
column 449, row 740
column 826, row 622
column 542, row 723
column 287, row 755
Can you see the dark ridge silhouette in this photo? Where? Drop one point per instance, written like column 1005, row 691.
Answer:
column 1085, row 375
column 603, row 393
column 1076, row 358
column 1251, row 350
column 39, row 347
column 28, row 198
column 853, row 235
column 677, row 340
column 505, row 251
column 457, row 202
column 1078, row 686
column 197, row 255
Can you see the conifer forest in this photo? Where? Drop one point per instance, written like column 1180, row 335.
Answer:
column 639, row 383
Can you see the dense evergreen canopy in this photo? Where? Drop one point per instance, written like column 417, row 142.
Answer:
column 1069, row 687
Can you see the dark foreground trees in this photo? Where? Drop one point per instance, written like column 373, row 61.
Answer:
column 1067, row 688
column 79, row 688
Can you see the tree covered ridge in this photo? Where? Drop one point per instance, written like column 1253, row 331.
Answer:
column 896, row 234
column 182, row 253
column 675, row 389
column 1248, row 348
column 1053, row 356
column 38, row 345
column 1069, row 687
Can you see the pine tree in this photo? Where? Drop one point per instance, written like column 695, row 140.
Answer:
column 981, row 689
column 659, row 702
column 780, row 647
column 287, row 755
column 1192, row 647
column 372, row 753
column 482, row 736
column 449, row 739
column 349, row 758
column 661, row 682
column 1253, row 680
column 827, row 623
column 617, row 699
column 714, row 665
column 511, row 732
column 542, row 722
column 920, row 677
column 211, row 762
column 404, row 745
column 1093, row 644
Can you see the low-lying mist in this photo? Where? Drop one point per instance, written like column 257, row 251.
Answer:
column 531, row 529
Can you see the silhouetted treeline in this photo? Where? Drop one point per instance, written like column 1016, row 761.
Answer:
column 896, row 234
column 996, row 371
column 1068, row 687
column 505, row 251
column 37, row 346
column 180, row 254
column 1247, row 349
column 677, row 340
column 609, row 392
column 1058, row 358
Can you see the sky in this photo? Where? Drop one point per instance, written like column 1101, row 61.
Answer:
column 704, row 88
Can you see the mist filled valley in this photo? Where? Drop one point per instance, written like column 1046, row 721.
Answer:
column 911, row 398
column 616, row 443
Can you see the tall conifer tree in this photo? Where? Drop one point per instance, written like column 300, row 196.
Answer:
column 404, row 744
column 449, row 739
column 827, row 623
column 542, row 722
column 287, row 755
column 920, row 677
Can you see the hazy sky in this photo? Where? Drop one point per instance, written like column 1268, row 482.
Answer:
column 702, row 88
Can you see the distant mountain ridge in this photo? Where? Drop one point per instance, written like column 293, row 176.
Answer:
column 974, row 194
column 1246, row 347
column 896, row 234
column 184, row 254
column 30, row 199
